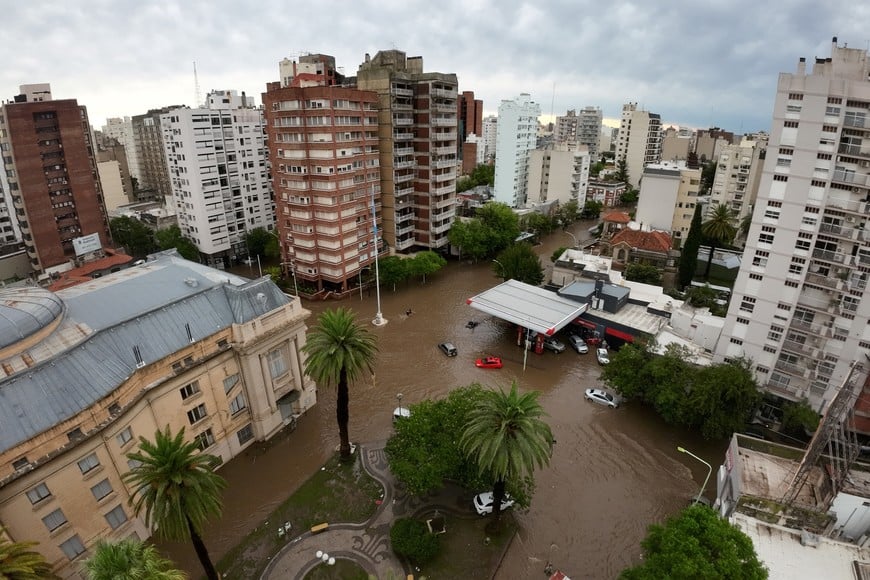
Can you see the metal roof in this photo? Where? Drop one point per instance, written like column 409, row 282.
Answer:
column 148, row 307
column 528, row 306
column 24, row 311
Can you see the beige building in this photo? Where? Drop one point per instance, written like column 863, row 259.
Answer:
column 676, row 144
column 559, row 174
column 668, row 194
column 738, row 174
column 639, row 141
column 88, row 370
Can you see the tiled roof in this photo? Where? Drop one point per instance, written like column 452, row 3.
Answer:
column 619, row 217
column 650, row 241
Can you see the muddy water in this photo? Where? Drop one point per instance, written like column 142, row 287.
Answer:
column 613, row 472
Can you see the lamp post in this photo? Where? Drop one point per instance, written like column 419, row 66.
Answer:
column 709, row 471
column 503, row 270
column 379, row 319
column 292, row 273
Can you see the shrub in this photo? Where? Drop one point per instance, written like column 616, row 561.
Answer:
column 411, row 539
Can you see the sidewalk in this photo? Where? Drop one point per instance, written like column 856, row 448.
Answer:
column 367, row 543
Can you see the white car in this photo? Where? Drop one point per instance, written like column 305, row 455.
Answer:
column 601, row 355
column 483, row 503
column 578, row 344
column 602, row 397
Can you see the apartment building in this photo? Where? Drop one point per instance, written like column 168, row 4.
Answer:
column 154, row 180
column 607, row 193
column 490, row 131
column 515, row 139
column 709, row 142
column 639, row 141
column 738, row 174
column 469, row 116
column 668, row 195
column 217, row 163
column 418, row 145
column 566, row 128
column 121, row 129
column 560, row 174
column 51, row 173
column 324, row 156
column 91, row 368
column 799, row 309
column 583, row 128
column 677, row 143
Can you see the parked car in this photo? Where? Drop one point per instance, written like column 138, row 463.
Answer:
column 602, row 356
column 448, row 348
column 488, row 362
column 578, row 344
column 483, row 503
column 401, row 413
column 603, row 397
column 554, row 344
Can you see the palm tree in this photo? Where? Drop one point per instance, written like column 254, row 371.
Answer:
column 718, row 229
column 177, row 487
column 507, row 437
column 19, row 562
column 129, row 560
column 338, row 350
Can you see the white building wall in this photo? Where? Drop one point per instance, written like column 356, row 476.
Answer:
column 658, row 197
column 122, row 130
column 515, row 139
column 853, row 516
column 558, row 175
column 112, row 185
column 639, row 140
column 490, row 130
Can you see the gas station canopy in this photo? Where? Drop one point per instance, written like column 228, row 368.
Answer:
column 528, row 306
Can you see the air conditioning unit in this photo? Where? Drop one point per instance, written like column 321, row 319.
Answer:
column 850, row 219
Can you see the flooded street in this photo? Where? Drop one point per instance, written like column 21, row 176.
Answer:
column 613, row 472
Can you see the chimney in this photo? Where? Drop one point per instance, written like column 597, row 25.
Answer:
column 802, row 66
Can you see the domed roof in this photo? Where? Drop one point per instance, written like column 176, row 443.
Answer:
column 24, row 311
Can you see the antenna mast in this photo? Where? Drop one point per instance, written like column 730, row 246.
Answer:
column 197, row 95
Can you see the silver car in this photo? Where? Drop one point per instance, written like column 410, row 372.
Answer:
column 601, row 355
column 578, row 344
column 553, row 344
column 603, row 397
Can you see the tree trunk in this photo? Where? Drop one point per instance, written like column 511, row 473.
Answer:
column 202, row 553
column 709, row 262
column 497, row 497
column 342, row 414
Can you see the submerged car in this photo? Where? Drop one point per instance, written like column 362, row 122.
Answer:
column 578, row 344
column 400, row 413
column 602, row 356
column 483, row 503
column 448, row 348
column 602, row 397
column 488, row 362
column 553, row 344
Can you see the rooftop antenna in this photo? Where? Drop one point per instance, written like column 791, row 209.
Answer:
column 197, row 95
column 553, row 104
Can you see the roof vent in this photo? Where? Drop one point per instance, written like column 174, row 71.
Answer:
column 192, row 282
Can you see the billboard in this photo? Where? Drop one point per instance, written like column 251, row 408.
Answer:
column 87, row 244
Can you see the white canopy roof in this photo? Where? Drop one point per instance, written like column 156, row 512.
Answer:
column 528, row 306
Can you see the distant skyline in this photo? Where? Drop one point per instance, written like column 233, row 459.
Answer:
column 696, row 63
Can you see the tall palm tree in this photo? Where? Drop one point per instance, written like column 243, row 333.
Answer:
column 19, row 562
column 338, row 350
column 719, row 229
column 129, row 560
column 507, row 437
column 177, row 487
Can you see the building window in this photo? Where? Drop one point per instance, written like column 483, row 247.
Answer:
column 795, row 97
column 38, row 493
column 238, row 404
column 772, row 213
column 230, row 382
column 736, row 341
column 802, row 245
column 204, row 440
column 124, row 436
column 824, row 156
column 811, row 209
column 101, row 490
column 197, row 413
column 775, row 333
column 790, row 124
column 760, row 258
column 755, row 276
column 761, row 369
column 785, row 151
column 765, row 238
column 73, row 548
column 829, row 128
column 809, row 221
column 784, row 306
column 189, row 390
column 791, row 284
column 277, row 364
column 116, row 517
column 741, row 320
column 769, row 349
column 133, row 463
column 89, row 463
column 20, row 463
column 54, row 520
column 245, row 434
column 747, row 304
column 780, row 177
column 774, row 204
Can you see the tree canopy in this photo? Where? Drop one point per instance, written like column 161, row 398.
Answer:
column 19, row 561
column 471, row 237
column 171, row 237
column 392, row 270
column 494, row 227
column 262, row 242
column 519, row 262
column 568, row 213
column 592, row 209
column 697, row 543
column 689, row 254
column 425, row 263
column 136, row 237
column 643, row 273
column 129, row 559
column 718, row 229
column 630, row 196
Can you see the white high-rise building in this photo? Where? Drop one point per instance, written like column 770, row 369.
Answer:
column 560, row 174
column 589, row 130
column 218, row 169
column 738, row 174
column 515, row 139
column 799, row 309
column 639, row 141
column 490, row 130
column 122, row 131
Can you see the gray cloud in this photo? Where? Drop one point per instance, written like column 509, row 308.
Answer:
column 696, row 63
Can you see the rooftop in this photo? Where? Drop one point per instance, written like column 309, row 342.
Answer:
column 528, row 306
column 619, row 217
column 654, row 241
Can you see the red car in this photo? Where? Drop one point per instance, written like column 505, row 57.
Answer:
column 488, row 362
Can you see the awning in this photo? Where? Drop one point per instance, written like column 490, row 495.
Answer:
column 528, row 306
column 585, row 323
column 618, row 334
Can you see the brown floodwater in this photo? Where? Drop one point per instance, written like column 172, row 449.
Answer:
column 613, row 472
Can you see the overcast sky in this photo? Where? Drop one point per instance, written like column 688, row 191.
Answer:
column 695, row 62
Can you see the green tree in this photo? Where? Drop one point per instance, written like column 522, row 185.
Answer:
column 539, row 224
column 723, row 398
column 519, row 262
column 629, row 197
column 392, row 270
column 129, row 559
column 464, row 183
column 174, row 483
column 424, row 449
column 627, row 372
column 136, row 237
column 689, row 254
column 799, row 418
column 275, row 273
column 745, row 224
column 501, row 225
column 708, row 175
column 622, row 169
column 18, row 561
column 261, row 242
column 568, row 213
column 508, row 438
column 471, row 237
column 171, row 238
column 596, row 168
column 557, row 253
column 669, row 378
column 643, row 273
column 425, row 263
column 411, row 539
column 483, row 174
column 718, row 229
column 592, row 209
column 701, row 296
column 338, row 351
column 697, row 543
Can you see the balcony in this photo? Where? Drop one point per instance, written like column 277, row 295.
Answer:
column 401, row 231
column 400, row 192
column 405, row 243
column 854, row 121
column 855, row 150
column 790, row 368
column 401, row 92
column 403, row 121
column 834, row 257
column 443, row 163
column 444, row 203
column 823, row 281
column 448, row 190
column 445, row 136
column 439, row 229
column 441, row 177
column 404, row 217
column 402, row 105
column 442, row 122
column 444, row 150
column 850, row 177
column 404, row 164
column 403, row 178
column 445, row 107
column 403, row 151
column 854, row 206
column 403, row 136
column 798, row 348
column 444, row 94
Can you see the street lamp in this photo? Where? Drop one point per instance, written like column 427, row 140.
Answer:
column 709, row 471
column 293, row 273
column 503, row 270
column 379, row 319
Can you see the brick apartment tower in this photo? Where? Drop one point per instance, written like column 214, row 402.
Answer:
column 52, row 173
column 323, row 147
column 469, row 121
column 417, row 130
